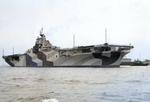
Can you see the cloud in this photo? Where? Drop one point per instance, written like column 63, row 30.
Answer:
column 126, row 22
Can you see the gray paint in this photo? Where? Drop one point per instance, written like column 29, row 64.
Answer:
column 44, row 54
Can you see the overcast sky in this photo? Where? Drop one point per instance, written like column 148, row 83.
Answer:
column 127, row 22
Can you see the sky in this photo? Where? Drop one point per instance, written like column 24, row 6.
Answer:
column 127, row 22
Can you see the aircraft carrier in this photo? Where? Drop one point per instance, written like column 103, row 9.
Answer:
column 44, row 54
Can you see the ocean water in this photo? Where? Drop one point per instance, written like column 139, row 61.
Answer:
column 124, row 84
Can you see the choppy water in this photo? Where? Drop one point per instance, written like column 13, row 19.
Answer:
column 125, row 84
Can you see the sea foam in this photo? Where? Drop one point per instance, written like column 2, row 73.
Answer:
column 48, row 100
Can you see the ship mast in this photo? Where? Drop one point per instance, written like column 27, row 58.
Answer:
column 41, row 32
column 105, row 35
column 13, row 50
column 73, row 40
column 3, row 52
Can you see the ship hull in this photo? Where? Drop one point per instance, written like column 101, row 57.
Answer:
column 104, row 59
column 44, row 54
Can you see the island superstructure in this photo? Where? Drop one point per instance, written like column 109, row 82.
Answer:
column 44, row 54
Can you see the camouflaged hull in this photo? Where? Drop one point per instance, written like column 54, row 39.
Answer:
column 44, row 54
column 56, row 58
